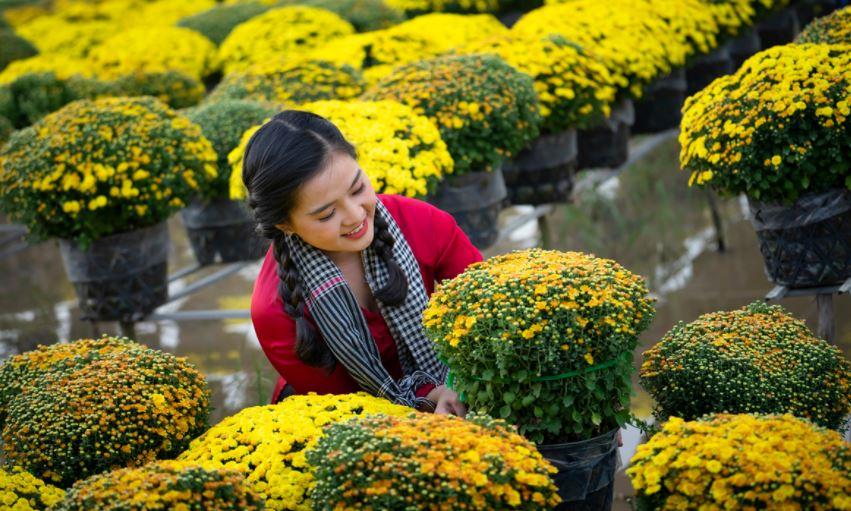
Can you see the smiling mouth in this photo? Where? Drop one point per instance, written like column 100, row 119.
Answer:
column 357, row 229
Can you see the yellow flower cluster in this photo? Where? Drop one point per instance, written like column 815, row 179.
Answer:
column 280, row 33
column 21, row 491
column 400, row 151
column 99, row 167
column 835, row 28
column 54, row 34
column 62, row 66
column 755, row 359
column 286, row 82
column 118, row 404
column 776, row 128
column 429, row 461
column 268, row 443
column 431, row 35
column 163, row 485
column 152, row 49
column 508, row 326
column 419, row 6
column 743, row 462
column 485, row 109
column 573, row 86
column 638, row 40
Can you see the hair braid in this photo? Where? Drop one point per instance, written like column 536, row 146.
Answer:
column 396, row 290
column 310, row 348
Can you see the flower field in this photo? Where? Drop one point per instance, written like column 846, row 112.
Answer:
column 123, row 126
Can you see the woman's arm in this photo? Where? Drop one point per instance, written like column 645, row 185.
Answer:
column 455, row 251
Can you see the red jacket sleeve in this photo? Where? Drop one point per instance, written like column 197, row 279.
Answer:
column 455, row 251
column 276, row 332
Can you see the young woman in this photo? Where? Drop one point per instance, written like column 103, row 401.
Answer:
column 338, row 303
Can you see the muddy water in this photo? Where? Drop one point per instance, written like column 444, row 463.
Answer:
column 646, row 218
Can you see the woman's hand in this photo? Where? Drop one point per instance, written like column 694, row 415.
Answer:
column 447, row 402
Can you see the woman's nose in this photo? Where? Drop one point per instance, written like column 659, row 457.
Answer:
column 353, row 214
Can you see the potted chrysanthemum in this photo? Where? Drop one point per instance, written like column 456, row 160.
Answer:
column 742, row 461
column 103, row 176
column 218, row 227
column 575, row 91
column 166, row 484
column 834, row 28
column 268, row 444
column 757, row 359
column 401, row 151
column 428, row 461
column 486, row 111
column 777, row 132
column 544, row 340
column 78, row 409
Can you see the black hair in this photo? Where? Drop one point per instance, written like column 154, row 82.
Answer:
column 285, row 153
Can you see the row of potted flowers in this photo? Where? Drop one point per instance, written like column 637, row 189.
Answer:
column 541, row 340
column 485, row 113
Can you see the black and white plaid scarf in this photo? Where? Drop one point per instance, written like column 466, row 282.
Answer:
column 344, row 328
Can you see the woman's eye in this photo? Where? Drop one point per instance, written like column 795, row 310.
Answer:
column 328, row 217
column 359, row 190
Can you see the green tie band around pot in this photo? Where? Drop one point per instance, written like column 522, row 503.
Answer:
column 515, row 328
column 428, row 461
column 485, row 109
column 102, row 167
column 168, row 484
column 757, row 359
column 742, row 461
column 95, row 405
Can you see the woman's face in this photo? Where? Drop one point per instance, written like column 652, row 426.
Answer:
column 335, row 209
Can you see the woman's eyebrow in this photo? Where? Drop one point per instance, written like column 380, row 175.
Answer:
column 354, row 181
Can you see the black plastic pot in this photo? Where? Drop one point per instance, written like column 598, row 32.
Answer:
column 543, row 173
column 779, row 28
column 222, row 230
column 660, row 106
column 706, row 68
column 474, row 199
column 607, row 145
column 808, row 243
column 122, row 277
column 744, row 47
column 808, row 10
column 586, row 472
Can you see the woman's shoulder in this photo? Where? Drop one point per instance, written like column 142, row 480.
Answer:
column 406, row 207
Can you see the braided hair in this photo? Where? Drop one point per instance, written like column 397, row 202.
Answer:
column 284, row 154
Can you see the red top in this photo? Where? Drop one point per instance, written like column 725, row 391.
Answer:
column 442, row 251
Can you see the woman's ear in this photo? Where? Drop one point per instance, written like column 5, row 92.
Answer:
column 285, row 228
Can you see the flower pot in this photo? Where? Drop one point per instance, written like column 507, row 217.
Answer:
column 744, row 47
column 474, row 199
column 607, row 144
column 808, row 243
column 808, row 10
column 780, row 28
column 122, row 277
column 706, row 68
column 586, row 472
column 659, row 109
column 543, row 172
column 222, row 229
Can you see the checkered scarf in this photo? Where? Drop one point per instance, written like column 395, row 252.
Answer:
column 344, row 328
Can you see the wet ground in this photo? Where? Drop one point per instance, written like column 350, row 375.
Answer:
column 646, row 218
